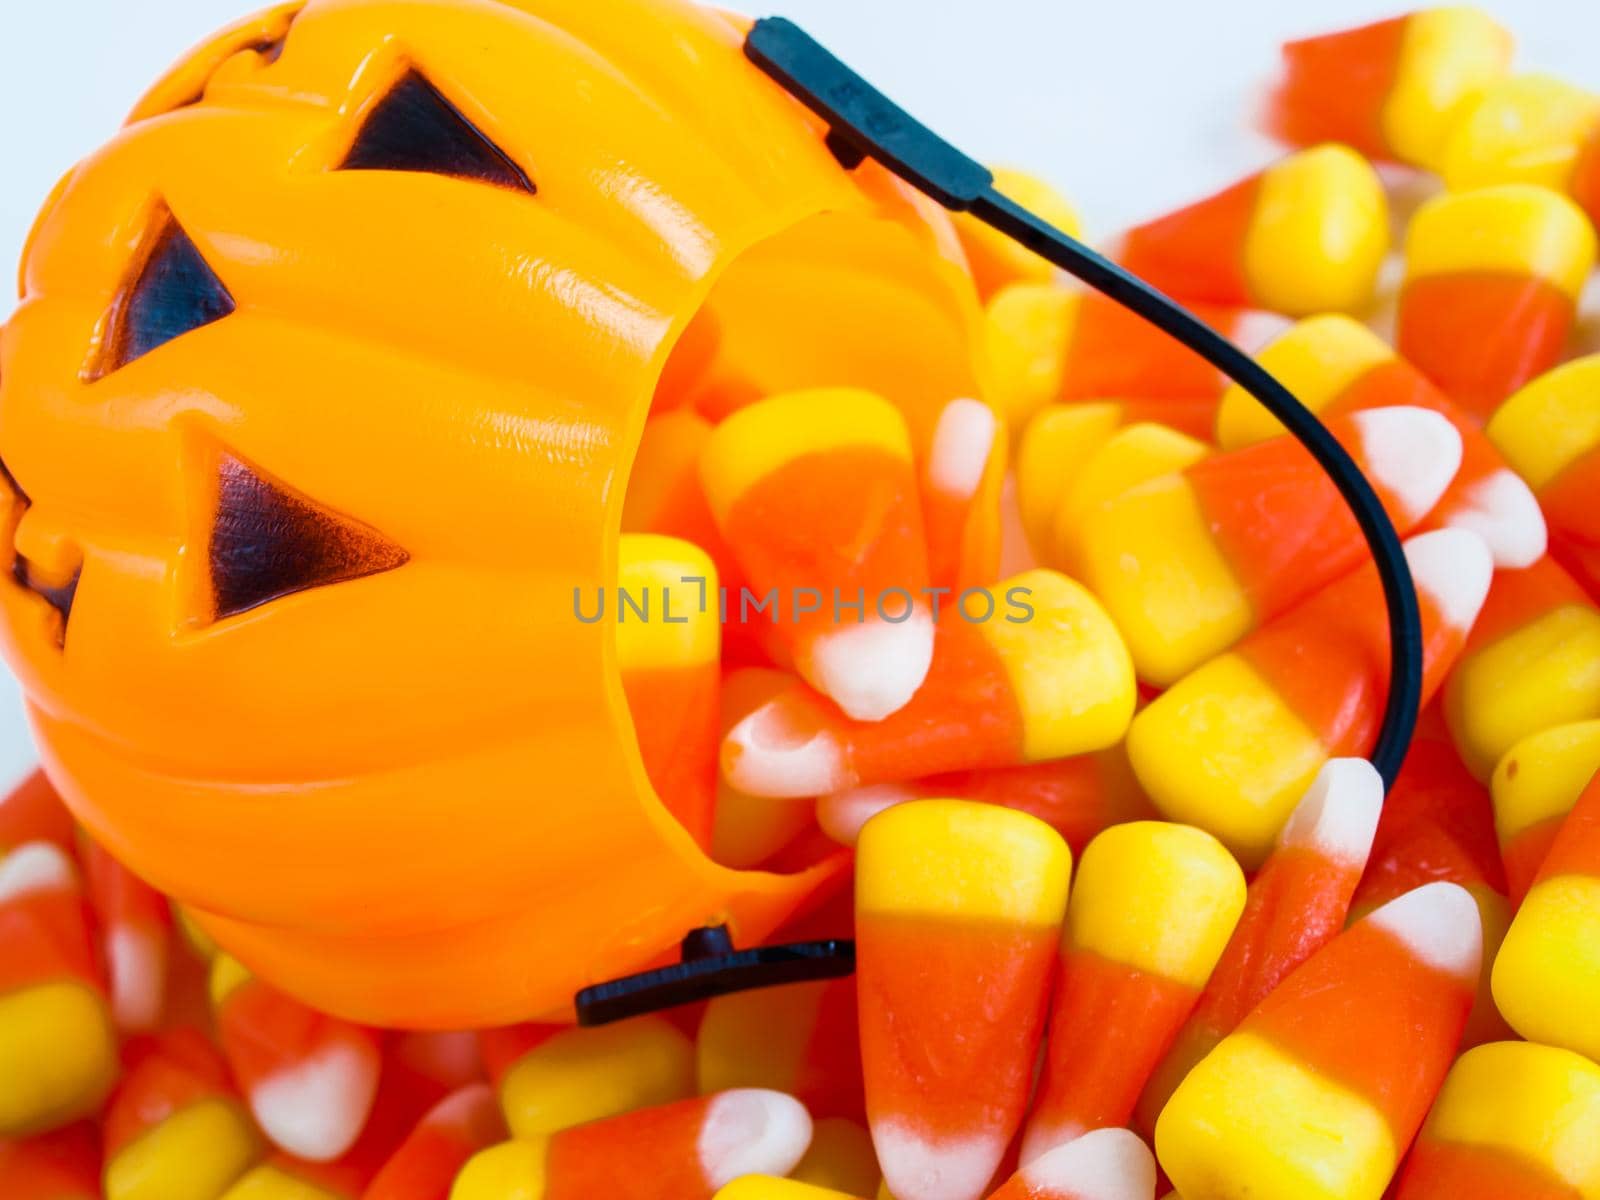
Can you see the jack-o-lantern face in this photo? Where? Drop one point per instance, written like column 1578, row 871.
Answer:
column 320, row 402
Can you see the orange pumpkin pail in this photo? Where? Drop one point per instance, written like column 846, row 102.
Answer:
column 295, row 553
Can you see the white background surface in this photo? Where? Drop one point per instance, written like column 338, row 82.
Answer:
column 1129, row 106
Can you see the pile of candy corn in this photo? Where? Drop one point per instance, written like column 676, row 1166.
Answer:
column 1134, row 917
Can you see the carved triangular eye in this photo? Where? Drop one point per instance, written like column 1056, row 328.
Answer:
column 267, row 542
column 414, row 128
column 176, row 291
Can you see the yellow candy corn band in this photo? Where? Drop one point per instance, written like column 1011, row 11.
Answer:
column 1542, row 776
column 732, row 1025
column 58, row 1055
column 1547, row 975
column 583, row 1075
column 227, row 973
column 1150, row 557
column 1512, row 229
column 1128, row 458
column 770, row 1187
column 956, row 858
column 1056, row 443
column 1551, row 422
column 1033, row 194
column 1449, row 56
column 841, row 1158
column 1545, row 674
column 1317, row 360
column 509, row 1171
column 1535, row 1101
column 674, row 583
column 269, row 1183
column 1069, row 669
column 1251, row 1123
column 1221, row 750
column 756, row 441
column 1157, row 897
column 192, row 1155
column 1027, row 328
column 1319, row 234
column 1526, row 129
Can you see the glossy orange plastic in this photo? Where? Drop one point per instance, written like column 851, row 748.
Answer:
column 415, row 797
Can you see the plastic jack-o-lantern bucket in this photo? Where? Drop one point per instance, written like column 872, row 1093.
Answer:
column 321, row 401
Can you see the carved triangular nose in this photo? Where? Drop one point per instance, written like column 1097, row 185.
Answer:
column 268, row 542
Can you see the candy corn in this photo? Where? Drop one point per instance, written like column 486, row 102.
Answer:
column 1306, row 235
column 1129, row 457
column 1523, row 129
column 1151, row 910
column 1190, row 562
column 960, row 483
column 1295, row 904
column 58, row 1052
column 749, row 830
column 1046, row 342
column 1234, row 744
column 958, row 909
column 32, row 812
column 552, row 1077
column 1534, row 787
column 427, row 1162
column 770, row 1187
column 682, row 1151
column 1393, row 89
column 1027, row 671
column 310, row 1078
column 137, row 928
column 1321, row 1088
column 1335, row 365
column 668, row 650
column 1512, row 1119
column 841, row 1157
column 175, row 1129
column 1105, row 1164
column 1532, row 662
column 817, row 498
column 1438, row 825
column 1491, row 288
column 1550, row 432
column 1547, row 975
column 63, row 1164
column 995, row 259
column 1077, row 797
column 799, row 1039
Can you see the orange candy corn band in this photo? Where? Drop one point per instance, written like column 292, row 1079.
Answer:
column 1481, row 336
column 1197, row 251
column 1335, row 85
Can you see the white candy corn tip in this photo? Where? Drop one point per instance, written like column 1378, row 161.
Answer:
column 768, row 754
column 1338, row 815
column 842, row 814
column 1255, row 330
column 1411, row 453
column 1439, row 923
column 35, row 867
column 918, row 1168
column 138, row 971
column 752, row 1131
column 1502, row 510
column 1039, row 1139
column 1453, row 567
column 962, row 441
column 315, row 1109
column 1107, row 1164
column 870, row 670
